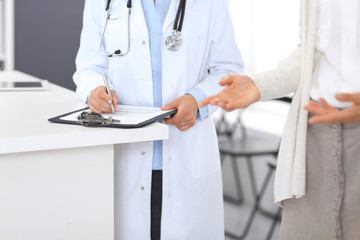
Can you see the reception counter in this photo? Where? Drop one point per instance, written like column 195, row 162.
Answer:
column 57, row 181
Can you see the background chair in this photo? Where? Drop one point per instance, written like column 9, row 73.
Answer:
column 238, row 143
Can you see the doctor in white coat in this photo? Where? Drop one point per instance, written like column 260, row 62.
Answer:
column 192, row 202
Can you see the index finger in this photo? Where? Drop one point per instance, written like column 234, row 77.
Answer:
column 115, row 98
column 205, row 101
column 101, row 93
column 348, row 97
column 227, row 80
column 327, row 118
column 176, row 118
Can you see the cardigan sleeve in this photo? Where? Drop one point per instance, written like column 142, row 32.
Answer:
column 281, row 80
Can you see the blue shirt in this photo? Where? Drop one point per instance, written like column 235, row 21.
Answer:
column 155, row 15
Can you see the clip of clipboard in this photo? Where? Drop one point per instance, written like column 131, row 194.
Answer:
column 128, row 116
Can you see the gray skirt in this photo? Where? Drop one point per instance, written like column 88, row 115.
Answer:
column 331, row 207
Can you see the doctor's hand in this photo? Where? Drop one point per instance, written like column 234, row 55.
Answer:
column 324, row 113
column 99, row 101
column 186, row 115
column 240, row 92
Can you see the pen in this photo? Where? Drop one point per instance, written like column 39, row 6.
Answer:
column 108, row 91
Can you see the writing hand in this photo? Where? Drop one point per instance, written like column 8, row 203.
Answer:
column 186, row 115
column 240, row 92
column 99, row 101
column 324, row 113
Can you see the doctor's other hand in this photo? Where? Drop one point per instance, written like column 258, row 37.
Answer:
column 324, row 113
column 240, row 92
column 99, row 100
column 186, row 115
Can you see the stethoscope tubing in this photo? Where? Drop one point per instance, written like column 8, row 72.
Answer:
column 172, row 42
column 129, row 4
column 180, row 14
column 107, row 16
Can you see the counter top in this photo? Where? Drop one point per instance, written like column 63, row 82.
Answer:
column 24, row 122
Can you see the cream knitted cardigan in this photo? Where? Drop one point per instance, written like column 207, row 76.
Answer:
column 293, row 74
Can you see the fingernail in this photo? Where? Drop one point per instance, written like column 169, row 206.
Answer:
column 109, row 101
column 339, row 96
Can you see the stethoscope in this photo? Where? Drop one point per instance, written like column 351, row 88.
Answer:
column 172, row 42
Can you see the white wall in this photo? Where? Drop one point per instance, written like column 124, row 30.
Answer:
column 266, row 32
column 1, row 33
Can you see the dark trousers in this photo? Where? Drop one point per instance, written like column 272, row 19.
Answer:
column 156, row 204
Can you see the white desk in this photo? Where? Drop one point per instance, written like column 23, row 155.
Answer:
column 57, row 181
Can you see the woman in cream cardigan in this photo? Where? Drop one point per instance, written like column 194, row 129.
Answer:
column 317, row 179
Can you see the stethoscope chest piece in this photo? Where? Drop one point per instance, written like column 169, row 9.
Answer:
column 174, row 41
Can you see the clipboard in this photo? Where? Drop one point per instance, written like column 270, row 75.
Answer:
column 129, row 116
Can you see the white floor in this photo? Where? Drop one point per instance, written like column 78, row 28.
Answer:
column 236, row 215
column 235, row 220
column 265, row 119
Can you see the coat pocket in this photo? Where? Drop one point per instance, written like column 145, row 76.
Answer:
column 202, row 148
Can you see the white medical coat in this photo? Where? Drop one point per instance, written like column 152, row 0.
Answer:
column 192, row 186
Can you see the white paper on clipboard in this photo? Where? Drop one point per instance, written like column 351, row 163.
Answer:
column 129, row 116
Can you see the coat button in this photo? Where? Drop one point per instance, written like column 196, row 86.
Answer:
column 335, row 179
column 170, row 158
column 142, row 188
column 142, row 153
column 334, row 151
column 143, row 42
column 333, row 205
column 333, row 232
column 335, row 128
